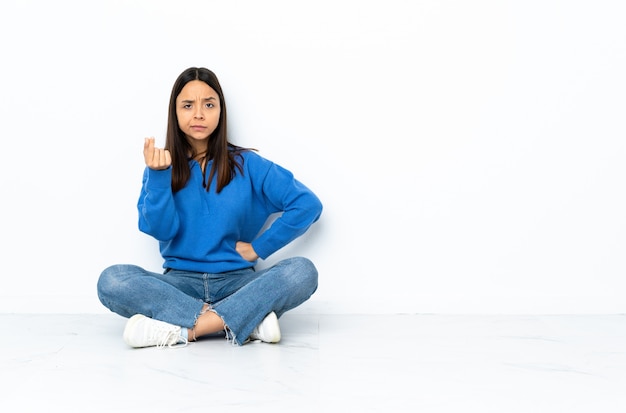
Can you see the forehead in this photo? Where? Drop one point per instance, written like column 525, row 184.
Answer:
column 196, row 89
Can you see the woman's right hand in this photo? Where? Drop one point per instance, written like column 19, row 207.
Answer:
column 156, row 158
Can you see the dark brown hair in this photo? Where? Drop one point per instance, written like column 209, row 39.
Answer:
column 226, row 156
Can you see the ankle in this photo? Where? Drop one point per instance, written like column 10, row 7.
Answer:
column 191, row 334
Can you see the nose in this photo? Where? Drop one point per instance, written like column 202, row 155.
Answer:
column 198, row 114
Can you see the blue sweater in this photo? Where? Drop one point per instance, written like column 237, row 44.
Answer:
column 197, row 229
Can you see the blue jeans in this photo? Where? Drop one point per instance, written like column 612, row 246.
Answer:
column 241, row 298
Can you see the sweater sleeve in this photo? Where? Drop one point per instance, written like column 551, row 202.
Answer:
column 299, row 208
column 157, row 211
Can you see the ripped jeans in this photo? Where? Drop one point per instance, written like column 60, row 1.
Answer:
column 241, row 298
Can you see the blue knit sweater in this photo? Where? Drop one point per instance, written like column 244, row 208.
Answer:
column 197, row 229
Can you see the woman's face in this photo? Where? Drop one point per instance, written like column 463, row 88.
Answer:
column 198, row 111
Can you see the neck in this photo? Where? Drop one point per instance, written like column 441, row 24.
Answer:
column 198, row 148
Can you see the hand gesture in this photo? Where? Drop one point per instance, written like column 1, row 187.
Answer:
column 156, row 158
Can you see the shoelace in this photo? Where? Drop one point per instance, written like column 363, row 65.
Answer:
column 169, row 341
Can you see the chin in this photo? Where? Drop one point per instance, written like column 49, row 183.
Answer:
column 199, row 137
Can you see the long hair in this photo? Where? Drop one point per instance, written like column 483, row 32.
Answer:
column 226, row 156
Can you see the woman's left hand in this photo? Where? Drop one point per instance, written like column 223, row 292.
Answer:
column 246, row 251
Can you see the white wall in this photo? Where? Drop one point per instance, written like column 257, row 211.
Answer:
column 469, row 154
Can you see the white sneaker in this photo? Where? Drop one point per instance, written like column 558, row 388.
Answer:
column 142, row 331
column 268, row 331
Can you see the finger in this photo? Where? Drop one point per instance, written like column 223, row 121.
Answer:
column 148, row 150
column 156, row 161
column 168, row 158
column 161, row 157
column 148, row 143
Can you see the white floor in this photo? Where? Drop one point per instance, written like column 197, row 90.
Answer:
column 325, row 363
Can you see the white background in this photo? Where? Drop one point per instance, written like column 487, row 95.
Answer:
column 470, row 155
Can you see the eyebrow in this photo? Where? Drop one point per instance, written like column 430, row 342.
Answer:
column 191, row 100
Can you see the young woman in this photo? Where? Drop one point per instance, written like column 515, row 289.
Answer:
column 207, row 202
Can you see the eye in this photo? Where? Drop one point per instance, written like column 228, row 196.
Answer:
column 210, row 105
column 187, row 106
